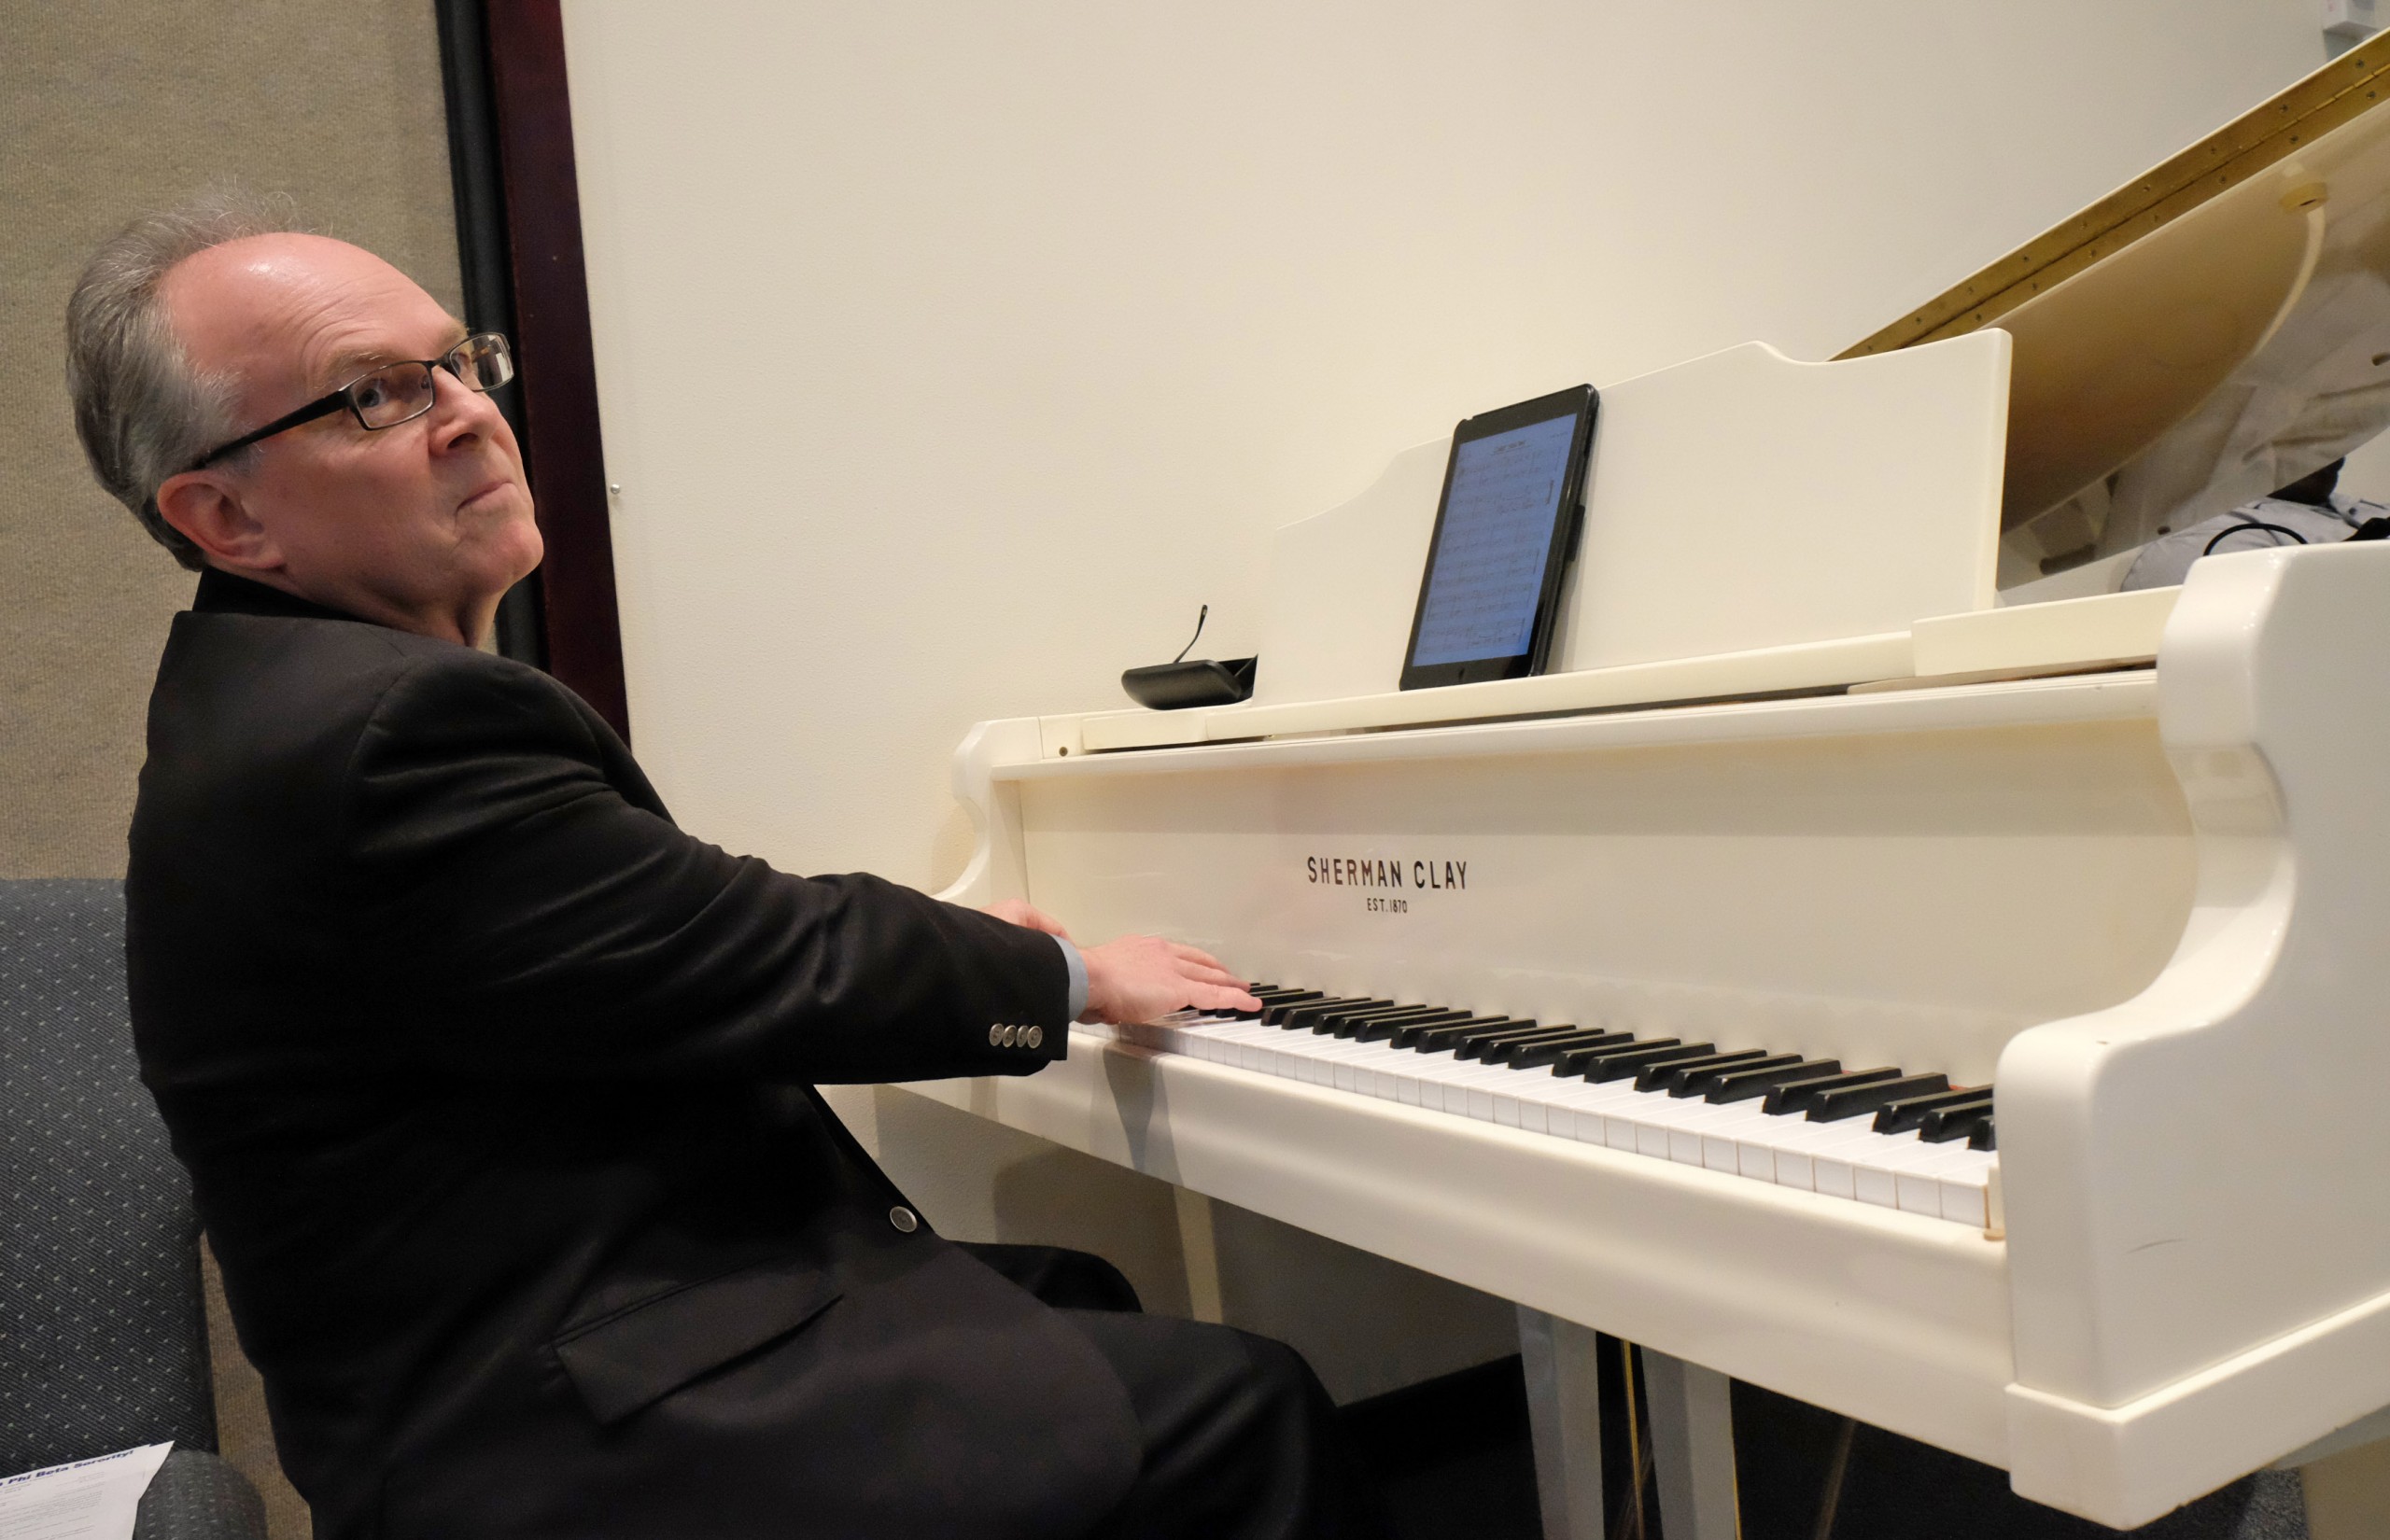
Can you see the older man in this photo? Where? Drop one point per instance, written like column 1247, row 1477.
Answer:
column 497, row 1088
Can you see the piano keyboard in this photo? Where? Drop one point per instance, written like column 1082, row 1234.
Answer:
column 1881, row 1136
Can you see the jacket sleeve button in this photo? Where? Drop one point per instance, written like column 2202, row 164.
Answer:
column 996, row 1035
column 1034, row 1036
column 904, row 1219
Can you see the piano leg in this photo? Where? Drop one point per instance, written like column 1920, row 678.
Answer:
column 1692, row 1448
column 1564, row 1411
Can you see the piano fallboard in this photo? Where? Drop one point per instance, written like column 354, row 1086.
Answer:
column 1909, row 879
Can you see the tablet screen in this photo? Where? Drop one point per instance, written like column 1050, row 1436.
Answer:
column 1498, row 520
column 1511, row 493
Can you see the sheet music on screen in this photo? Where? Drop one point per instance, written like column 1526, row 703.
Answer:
column 1497, row 530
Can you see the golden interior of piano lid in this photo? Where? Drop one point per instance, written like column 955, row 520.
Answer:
column 2214, row 329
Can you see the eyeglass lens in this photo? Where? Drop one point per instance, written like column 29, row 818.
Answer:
column 398, row 393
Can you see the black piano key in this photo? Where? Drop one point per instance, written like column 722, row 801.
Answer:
column 1407, row 1033
column 1303, row 1017
column 1389, row 1030
column 1473, row 1038
column 1850, row 1100
column 1636, row 1061
column 1269, row 995
column 1578, row 1061
column 1744, row 1081
column 1795, row 1095
column 1430, row 1037
column 1331, row 1013
column 1983, row 1138
column 1662, row 1077
column 1299, row 1018
column 1944, row 1123
column 1274, row 1013
column 1695, row 1079
column 1427, row 1037
column 1488, row 1045
column 1542, row 1051
column 1340, row 1023
column 1506, row 1051
column 1446, row 1036
column 1899, row 1117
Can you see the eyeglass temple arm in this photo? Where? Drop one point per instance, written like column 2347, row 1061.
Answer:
column 308, row 413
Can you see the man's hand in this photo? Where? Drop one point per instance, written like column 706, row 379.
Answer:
column 1137, row 978
column 1019, row 912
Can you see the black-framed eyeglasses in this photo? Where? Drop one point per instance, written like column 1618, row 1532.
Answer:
column 390, row 394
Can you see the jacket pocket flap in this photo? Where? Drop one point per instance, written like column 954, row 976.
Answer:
column 640, row 1354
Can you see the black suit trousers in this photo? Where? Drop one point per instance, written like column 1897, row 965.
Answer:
column 1241, row 1441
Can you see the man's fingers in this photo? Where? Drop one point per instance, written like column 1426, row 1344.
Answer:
column 1137, row 978
column 1215, row 997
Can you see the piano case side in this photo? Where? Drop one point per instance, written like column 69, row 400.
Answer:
column 2198, row 1227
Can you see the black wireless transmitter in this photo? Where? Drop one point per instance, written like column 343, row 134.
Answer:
column 1177, row 684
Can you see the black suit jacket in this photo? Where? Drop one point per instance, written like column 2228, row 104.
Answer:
column 496, row 1088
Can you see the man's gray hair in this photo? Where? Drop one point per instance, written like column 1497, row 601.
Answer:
column 142, row 411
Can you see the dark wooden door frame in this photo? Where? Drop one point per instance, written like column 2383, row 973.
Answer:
column 519, row 236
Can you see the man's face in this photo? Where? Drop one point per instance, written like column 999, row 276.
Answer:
column 422, row 525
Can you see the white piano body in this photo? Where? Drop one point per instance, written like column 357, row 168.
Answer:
column 1801, row 781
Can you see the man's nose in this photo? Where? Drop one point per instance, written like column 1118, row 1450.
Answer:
column 458, row 412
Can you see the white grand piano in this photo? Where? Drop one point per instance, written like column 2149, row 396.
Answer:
column 1850, row 752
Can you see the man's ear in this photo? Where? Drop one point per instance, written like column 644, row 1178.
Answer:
column 206, row 509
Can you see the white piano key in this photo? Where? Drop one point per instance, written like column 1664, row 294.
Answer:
column 1481, row 1087
column 1739, row 1142
column 1575, row 1107
column 1693, row 1126
column 1467, row 1087
column 1919, row 1189
column 1841, row 1161
column 1966, row 1205
column 1604, row 1115
column 1797, row 1144
column 1846, row 1159
column 1963, row 1185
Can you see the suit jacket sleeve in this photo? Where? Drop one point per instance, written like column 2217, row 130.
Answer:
column 525, row 916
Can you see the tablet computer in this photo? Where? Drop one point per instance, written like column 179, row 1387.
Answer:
column 1513, row 498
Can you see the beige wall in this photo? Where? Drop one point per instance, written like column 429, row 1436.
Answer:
column 1022, row 326
column 106, row 110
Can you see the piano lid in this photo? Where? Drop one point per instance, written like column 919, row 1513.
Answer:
column 2215, row 328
